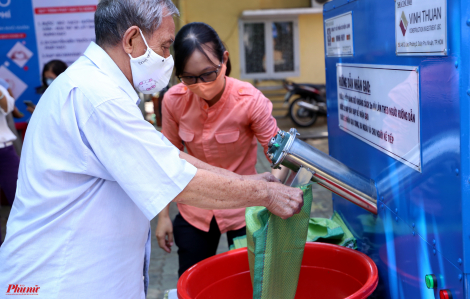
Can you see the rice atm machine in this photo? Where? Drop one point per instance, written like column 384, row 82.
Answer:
column 398, row 90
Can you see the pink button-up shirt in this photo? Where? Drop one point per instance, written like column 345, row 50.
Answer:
column 223, row 135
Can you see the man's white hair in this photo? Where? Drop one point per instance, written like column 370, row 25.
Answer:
column 114, row 17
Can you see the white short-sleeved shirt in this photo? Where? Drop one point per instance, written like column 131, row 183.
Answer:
column 93, row 173
column 6, row 135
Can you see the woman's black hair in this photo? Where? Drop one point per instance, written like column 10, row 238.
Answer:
column 55, row 66
column 194, row 36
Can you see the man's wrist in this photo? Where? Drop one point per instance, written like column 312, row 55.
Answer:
column 265, row 198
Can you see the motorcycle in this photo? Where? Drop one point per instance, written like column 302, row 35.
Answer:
column 311, row 102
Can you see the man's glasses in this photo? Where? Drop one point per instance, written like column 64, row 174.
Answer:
column 206, row 77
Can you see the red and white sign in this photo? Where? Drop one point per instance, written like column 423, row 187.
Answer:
column 20, row 54
column 64, row 9
column 63, row 32
column 12, row 35
column 339, row 36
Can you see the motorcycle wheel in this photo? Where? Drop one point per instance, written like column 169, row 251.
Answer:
column 301, row 116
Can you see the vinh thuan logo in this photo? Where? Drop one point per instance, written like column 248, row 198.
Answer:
column 19, row 289
column 403, row 23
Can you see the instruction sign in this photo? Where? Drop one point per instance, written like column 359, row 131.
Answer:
column 380, row 106
column 64, row 29
column 339, row 36
column 421, row 27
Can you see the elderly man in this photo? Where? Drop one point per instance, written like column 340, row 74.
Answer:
column 93, row 172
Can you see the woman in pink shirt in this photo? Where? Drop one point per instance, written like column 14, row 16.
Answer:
column 219, row 119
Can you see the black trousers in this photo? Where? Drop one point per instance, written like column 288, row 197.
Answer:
column 195, row 245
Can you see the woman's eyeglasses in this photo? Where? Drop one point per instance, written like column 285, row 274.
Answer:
column 206, row 77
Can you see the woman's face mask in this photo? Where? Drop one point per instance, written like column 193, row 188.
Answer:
column 208, row 90
column 49, row 81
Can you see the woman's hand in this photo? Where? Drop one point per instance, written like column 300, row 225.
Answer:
column 164, row 233
column 30, row 109
column 3, row 102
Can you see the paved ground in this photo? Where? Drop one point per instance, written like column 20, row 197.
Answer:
column 163, row 266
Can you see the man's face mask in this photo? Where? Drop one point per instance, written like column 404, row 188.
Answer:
column 151, row 72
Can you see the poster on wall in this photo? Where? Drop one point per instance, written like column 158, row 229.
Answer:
column 64, row 29
column 34, row 32
column 339, row 36
column 421, row 27
column 18, row 53
column 380, row 106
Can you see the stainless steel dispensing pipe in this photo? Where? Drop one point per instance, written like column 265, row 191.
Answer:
column 285, row 149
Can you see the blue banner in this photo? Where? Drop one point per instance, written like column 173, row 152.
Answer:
column 19, row 64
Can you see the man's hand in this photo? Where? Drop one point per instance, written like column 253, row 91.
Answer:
column 267, row 177
column 284, row 201
column 164, row 233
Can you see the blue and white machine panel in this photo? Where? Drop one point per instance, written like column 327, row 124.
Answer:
column 399, row 113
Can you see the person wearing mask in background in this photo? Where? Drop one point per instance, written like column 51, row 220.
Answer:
column 219, row 119
column 9, row 160
column 94, row 172
column 50, row 72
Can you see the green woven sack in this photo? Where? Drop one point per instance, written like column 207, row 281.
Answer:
column 276, row 248
column 333, row 231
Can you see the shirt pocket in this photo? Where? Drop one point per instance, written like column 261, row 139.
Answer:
column 186, row 135
column 227, row 143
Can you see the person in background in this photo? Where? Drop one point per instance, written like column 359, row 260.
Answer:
column 9, row 160
column 50, row 72
column 219, row 119
column 16, row 113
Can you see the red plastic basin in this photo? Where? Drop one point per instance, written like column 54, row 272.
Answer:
column 328, row 271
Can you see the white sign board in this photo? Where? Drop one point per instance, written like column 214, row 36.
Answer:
column 380, row 106
column 421, row 27
column 64, row 29
column 339, row 36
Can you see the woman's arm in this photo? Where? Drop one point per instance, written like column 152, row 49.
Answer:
column 7, row 103
column 265, row 127
column 3, row 101
column 263, row 124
